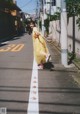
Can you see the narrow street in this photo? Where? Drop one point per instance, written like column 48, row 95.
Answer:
column 15, row 74
column 26, row 90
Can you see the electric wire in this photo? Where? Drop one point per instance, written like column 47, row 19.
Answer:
column 26, row 4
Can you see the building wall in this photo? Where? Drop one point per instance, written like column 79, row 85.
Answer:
column 14, row 1
column 47, row 6
column 58, row 3
column 56, row 35
column 14, row 12
column 70, row 37
column 7, row 27
column 8, row 20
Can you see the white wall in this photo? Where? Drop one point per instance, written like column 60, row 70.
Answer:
column 47, row 6
column 58, row 3
column 55, row 29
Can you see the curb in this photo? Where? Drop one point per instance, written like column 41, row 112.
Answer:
column 76, row 65
column 58, row 48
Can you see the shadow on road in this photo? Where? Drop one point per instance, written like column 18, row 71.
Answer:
column 3, row 41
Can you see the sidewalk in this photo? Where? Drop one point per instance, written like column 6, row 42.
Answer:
column 55, row 52
column 76, row 61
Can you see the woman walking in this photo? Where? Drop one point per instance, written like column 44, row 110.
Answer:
column 41, row 52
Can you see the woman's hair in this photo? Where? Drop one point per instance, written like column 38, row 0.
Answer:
column 32, row 23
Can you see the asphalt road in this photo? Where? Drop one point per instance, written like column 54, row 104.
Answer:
column 26, row 90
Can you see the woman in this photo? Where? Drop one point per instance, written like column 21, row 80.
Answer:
column 41, row 52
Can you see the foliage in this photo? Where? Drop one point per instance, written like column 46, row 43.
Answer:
column 78, row 22
column 8, row 1
column 73, row 9
column 26, row 21
column 46, row 24
column 56, row 16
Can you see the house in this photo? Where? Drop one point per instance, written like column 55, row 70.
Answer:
column 9, row 18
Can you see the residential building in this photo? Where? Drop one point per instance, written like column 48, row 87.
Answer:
column 8, row 17
column 50, row 7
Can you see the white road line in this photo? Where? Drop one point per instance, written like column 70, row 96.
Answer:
column 5, row 42
column 33, row 105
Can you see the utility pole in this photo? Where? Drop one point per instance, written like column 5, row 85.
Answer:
column 64, row 47
column 43, row 17
column 50, row 9
column 73, row 30
column 38, row 14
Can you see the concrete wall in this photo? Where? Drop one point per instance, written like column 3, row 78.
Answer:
column 56, row 35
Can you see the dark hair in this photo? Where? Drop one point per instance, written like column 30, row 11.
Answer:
column 33, row 22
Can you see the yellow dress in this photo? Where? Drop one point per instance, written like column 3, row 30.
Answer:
column 40, row 47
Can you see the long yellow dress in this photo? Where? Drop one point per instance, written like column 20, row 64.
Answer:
column 40, row 47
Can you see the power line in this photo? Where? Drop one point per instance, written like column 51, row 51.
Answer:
column 31, row 9
column 26, row 4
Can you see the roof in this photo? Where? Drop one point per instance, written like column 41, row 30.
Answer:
column 10, row 6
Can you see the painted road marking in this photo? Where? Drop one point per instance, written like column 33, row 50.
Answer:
column 3, row 110
column 33, row 105
column 18, row 47
column 5, row 42
column 12, row 48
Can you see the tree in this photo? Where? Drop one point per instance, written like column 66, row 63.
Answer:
column 9, row 1
column 73, row 8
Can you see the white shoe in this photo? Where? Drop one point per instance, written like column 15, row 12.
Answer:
column 40, row 66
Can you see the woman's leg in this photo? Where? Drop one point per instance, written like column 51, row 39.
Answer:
column 47, row 55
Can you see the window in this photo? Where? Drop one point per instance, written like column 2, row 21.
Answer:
column 53, row 2
column 44, row 1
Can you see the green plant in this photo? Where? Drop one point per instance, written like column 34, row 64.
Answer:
column 46, row 24
column 56, row 16
column 73, row 9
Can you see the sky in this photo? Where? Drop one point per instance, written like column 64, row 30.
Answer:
column 28, row 6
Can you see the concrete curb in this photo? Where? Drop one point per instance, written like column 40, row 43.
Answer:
column 58, row 48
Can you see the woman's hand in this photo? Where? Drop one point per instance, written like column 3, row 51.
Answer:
column 36, row 35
